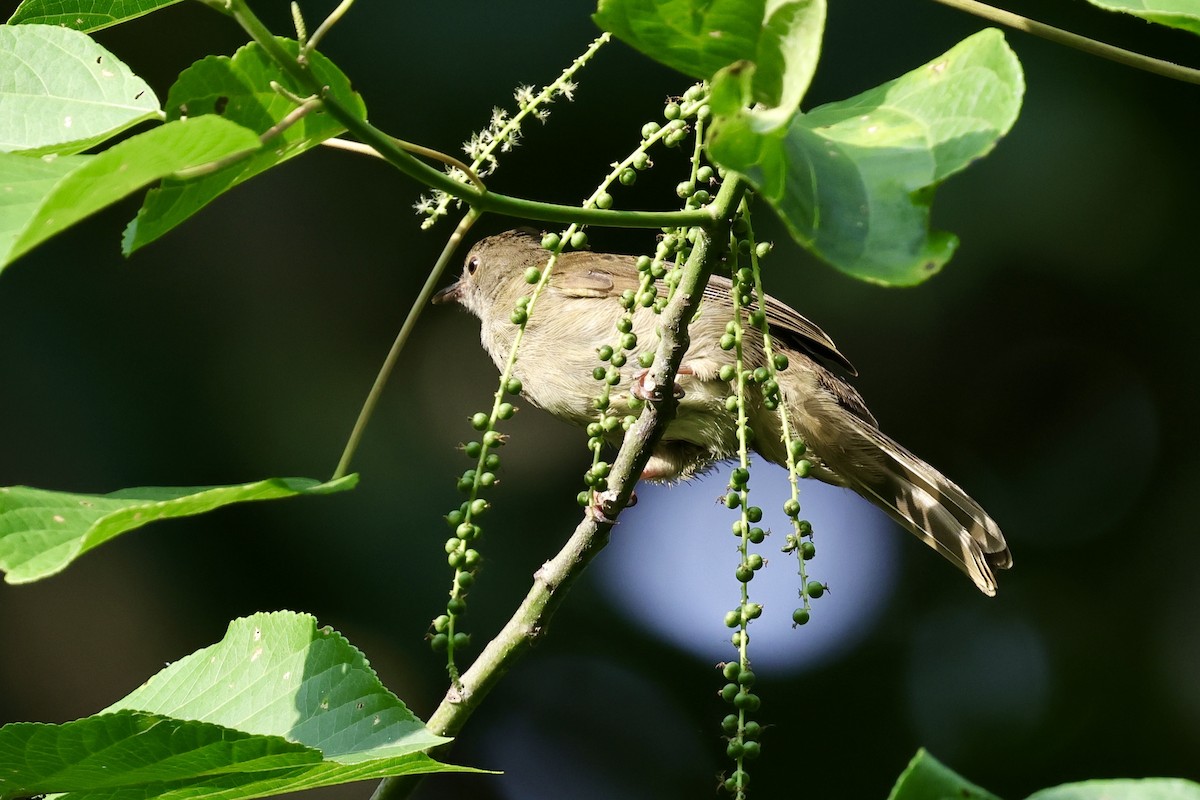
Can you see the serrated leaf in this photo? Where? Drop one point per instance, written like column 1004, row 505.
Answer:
column 853, row 180
column 42, row 531
column 60, row 92
column 278, row 705
column 37, row 202
column 84, row 15
column 700, row 37
column 238, row 88
column 1183, row 14
column 1143, row 789
column 926, row 778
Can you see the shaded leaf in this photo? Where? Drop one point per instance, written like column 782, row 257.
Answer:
column 238, row 88
column 926, row 778
column 853, row 180
column 1183, row 14
column 37, row 202
column 278, row 705
column 43, row 531
column 60, row 92
column 84, row 15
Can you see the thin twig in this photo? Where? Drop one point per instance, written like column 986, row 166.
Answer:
column 1059, row 36
column 325, row 26
column 389, row 363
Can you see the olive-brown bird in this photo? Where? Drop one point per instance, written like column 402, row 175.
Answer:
column 577, row 314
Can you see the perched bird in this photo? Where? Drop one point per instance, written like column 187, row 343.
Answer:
column 576, row 315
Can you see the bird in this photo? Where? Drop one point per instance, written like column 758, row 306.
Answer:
column 575, row 315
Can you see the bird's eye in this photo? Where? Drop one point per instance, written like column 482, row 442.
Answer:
column 472, row 265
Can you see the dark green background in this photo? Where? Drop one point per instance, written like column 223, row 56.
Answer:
column 1049, row 368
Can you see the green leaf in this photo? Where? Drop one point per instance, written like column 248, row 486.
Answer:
column 1176, row 13
column 926, row 778
column 85, row 15
column 42, row 531
column 42, row 197
column 278, row 705
column 60, row 92
column 701, row 37
column 853, row 180
column 1145, row 789
column 238, row 88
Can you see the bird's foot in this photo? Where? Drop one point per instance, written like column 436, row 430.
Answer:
column 644, row 387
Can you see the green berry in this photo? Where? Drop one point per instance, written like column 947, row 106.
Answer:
column 598, row 373
column 462, row 640
column 729, row 691
column 762, row 249
column 753, row 610
column 791, row 508
column 756, row 535
column 513, row 386
column 814, row 589
column 781, row 361
column 628, row 177
column 803, row 467
column 579, row 240
column 730, row 724
column 472, row 559
column 733, row 500
column 751, row 750
column 464, row 579
column 518, row 317
column 727, row 372
column 684, row 189
column 754, row 561
column 646, row 359
column 807, row 550
column 487, row 479
column 642, row 160
column 734, row 749
column 493, row 439
column 629, row 340
column 440, row 623
column 800, row 616
column 533, row 275
column 728, row 340
column 732, row 619
column 649, row 129
column 754, row 513
column 480, row 421
column 739, row 477
column 705, row 174
column 455, row 518
column 618, row 360
column 744, row 573
column 439, row 643
column 731, row 670
column 505, row 411
column 456, row 606
column 672, row 111
column 746, row 678
column 604, row 200
column 604, row 353
column 551, row 241
column 752, row 730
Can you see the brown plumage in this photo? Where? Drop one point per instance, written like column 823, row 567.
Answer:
column 576, row 315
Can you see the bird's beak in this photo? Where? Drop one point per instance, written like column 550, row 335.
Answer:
column 451, row 294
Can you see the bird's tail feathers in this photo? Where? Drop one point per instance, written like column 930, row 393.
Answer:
column 932, row 507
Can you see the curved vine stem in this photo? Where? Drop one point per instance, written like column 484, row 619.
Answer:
column 410, row 322
column 1058, row 35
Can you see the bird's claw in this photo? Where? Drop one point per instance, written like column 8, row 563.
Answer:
column 645, row 388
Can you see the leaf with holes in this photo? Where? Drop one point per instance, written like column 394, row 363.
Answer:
column 238, row 89
column 84, row 15
column 60, row 92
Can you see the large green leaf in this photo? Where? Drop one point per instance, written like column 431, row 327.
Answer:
column 926, row 778
column 238, row 88
column 41, row 197
column 84, row 15
column 60, row 92
column 42, row 531
column 700, row 37
column 278, row 705
column 1183, row 14
column 853, row 180
column 1143, row 789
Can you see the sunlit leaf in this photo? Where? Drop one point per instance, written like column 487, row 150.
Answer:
column 85, row 15
column 1123, row 789
column 278, row 705
column 238, row 89
column 42, row 531
column 60, row 92
column 700, row 37
column 853, row 180
column 37, row 202
column 1183, row 14
column 926, row 778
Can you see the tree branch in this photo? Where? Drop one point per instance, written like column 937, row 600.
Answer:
column 550, row 583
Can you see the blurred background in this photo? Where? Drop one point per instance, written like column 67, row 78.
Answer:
column 1045, row 370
